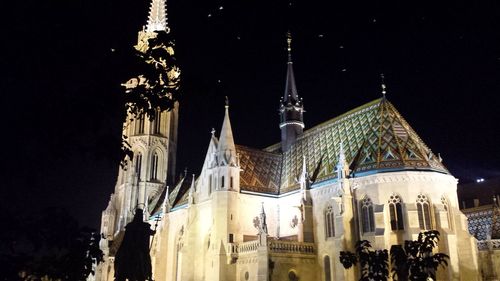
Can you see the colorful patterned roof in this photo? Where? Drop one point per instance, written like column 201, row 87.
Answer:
column 482, row 220
column 375, row 138
column 260, row 170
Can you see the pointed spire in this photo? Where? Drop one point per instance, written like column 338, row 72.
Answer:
column 342, row 167
column 226, row 147
column 303, row 175
column 291, row 95
column 262, row 221
column 157, row 20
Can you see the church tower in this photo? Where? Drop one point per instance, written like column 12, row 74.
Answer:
column 291, row 107
column 153, row 142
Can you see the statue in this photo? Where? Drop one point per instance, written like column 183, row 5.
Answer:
column 132, row 260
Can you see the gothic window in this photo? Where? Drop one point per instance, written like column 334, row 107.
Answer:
column 154, row 166
column 329, row 222
column 367, row 215
column 326, row 264
column 222, row 182
column 424, row 212
column 139, row 125
column 231, row 182
column 138, row 162
column 396, row 212
column 446, row 207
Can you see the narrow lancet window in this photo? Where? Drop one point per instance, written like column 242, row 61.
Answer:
column 396, row 212
column 138, row 163
column 329, row 222
column 367, row 215
column 424, row 212
column 154, row 166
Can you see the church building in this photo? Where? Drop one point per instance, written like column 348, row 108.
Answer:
column 286, row 211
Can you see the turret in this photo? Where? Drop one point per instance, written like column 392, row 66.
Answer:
column 291, row 107
column 228, row 168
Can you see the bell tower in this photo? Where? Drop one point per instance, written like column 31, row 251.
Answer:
column 291, row 107
column 153, row 141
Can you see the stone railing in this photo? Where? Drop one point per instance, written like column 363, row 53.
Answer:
column 484, row 245
column 291, row 247
column 245, row 247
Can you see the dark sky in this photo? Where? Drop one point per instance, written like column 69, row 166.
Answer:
column 63, row 60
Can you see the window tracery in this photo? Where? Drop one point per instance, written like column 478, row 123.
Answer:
column 396, row 212
column 367, row 215
column 424, row 212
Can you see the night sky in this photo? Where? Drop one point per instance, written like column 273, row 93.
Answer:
column 63, row 61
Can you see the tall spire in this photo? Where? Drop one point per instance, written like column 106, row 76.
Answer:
column 291, row 107
column 290, row 95
column 157, row 20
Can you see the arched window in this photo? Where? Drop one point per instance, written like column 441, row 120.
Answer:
column 139, row 124
column 138, row 163
column 154, row 166
column 446, row 207
column 156, row 123
column 367, row 216
column 326, row 264
column 329, row 222
column 396, row 212
column 424, row 212
column 222, row 182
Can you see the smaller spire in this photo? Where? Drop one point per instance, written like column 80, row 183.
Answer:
column 262, row 221
column 342, row 167
column 227, row 103
column 157, row 20
column 382, row 85
column 226, row 147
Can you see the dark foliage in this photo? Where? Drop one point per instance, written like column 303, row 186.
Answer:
column 415, row 260
column 50, row 244
column 374, row 263
column 156, row 84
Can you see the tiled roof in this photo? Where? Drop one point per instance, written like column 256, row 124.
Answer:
column 260, row 170
column 375, row 138
column 482, row 220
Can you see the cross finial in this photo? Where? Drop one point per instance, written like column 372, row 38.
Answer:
column 227, row 102
column 213, row 132
column 382, row 80
column 289, row 45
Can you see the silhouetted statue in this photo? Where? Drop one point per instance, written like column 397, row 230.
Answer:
column 132, row 260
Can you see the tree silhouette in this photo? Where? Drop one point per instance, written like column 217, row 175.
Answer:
column 415, row 260
column 155, row 84
column 49, row 245
column 374, row 263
